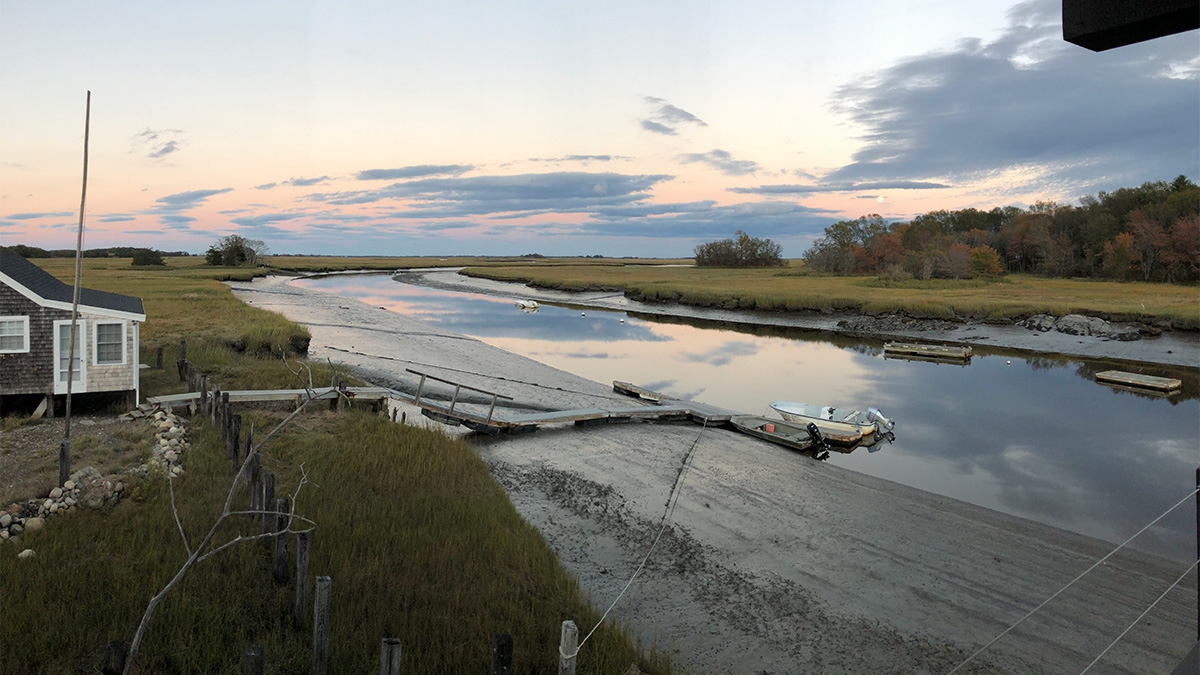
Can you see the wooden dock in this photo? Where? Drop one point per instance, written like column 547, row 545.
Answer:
column 940, row 352
column 192, row 398
column 1136, row 381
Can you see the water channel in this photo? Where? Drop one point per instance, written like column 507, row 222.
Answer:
column 1030, row 436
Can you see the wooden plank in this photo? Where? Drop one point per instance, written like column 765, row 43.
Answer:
column 1138, row 380
column 555, row 417
column 634, row 390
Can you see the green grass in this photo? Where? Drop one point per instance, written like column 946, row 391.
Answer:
column 795, row 289
column 421, row 543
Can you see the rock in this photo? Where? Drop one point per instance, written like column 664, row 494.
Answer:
column 173, row 430
column 177, row 471
column 16, row 528
column 86, row 423
column 6, row 520
column 56, row 493
column 54, row 508
column 70, row 502
column 1078, row 324
column 1150, row 331
column 4, row 534
column 26, row 554
column 34, row 524
column 47, row 504
column 119, row 488
column 108, row 485
column 1039, row 322
column 170, row 456
column 95, row 501
column 159, row 415
column 69, row 485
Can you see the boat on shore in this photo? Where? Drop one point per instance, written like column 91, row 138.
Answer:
column 527, row 305
column 794, row 436
column 852, row 428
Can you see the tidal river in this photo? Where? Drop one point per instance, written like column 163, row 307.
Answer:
column 1030, row 436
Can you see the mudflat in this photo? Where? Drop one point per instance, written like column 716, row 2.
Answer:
column 770, row 561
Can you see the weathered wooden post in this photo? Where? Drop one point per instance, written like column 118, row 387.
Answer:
column 114, row 658
column 158, row 358
column 216, row 405
column 568, row 648
column 203, row 394
column 252, row 660
column 299, row 615
column 268, row 500
column 320, row 664
column 282, row 522
column 235, row 442
column 182, row 359
column 502, row 654
column 389, row 656
column 226, row 421
column 334, row 403
column 341, row 396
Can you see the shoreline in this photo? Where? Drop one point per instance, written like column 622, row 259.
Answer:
column 1175, row 348
column 772, row 562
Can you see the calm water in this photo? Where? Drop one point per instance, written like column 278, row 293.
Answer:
column 1035, row 437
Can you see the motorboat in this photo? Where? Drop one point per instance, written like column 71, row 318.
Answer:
column 794, row 436
column 850, row 428
column 527, row 305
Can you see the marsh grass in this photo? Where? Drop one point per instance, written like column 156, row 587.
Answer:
column 420, row 542
column 795, row 289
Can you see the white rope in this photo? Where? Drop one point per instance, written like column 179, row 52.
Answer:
column 1072, row 582
column 1142, row 616
column 671, row 502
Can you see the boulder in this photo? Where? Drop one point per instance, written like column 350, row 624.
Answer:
column 6, row 520
column 34, row 524
column 69, row 485
column 56, row 493
column 1039, row 322
column 26, row 554
column 1078, row 324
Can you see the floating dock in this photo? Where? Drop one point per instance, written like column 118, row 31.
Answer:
column 934, row 352
column 1136, row 381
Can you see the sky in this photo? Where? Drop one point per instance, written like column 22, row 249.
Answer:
column 527, row 126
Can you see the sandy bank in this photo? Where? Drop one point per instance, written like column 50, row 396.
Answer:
column 1176, row 348
column 773, row 562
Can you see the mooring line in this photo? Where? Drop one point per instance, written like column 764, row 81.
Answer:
column 1072, row 582
column 670, row 511
column 1140, row 617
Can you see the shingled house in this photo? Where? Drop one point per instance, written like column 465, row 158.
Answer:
column 35, row 334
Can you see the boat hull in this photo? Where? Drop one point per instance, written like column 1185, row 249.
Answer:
column 854, row 428
column 780, row 433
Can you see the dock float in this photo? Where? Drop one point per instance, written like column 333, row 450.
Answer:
column 1136, row 381
column 938, row 352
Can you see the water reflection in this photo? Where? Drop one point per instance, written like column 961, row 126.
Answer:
column 1034, row 436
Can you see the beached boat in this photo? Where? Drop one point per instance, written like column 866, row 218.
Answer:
column 794, row 436
column 850, row 428
column 527, row 305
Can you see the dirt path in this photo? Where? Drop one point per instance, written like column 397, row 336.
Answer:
column 772, row 562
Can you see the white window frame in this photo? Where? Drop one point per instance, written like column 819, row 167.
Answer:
column 60, row 386
column 96, row 343
column 25, row 320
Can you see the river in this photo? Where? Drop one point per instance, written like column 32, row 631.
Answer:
column 1030, row 436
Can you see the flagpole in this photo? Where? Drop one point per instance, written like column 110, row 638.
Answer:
column 64, row 451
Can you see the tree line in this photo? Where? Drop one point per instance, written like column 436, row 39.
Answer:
column 1147, row 233
column 741, row 251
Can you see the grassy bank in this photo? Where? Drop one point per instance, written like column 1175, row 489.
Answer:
column 794, row 289
column 421, row 543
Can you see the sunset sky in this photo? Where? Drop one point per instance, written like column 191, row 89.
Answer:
column 523, row 126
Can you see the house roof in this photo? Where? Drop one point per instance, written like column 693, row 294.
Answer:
column 44, row 285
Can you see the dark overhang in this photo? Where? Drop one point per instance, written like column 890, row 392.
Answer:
column 1106, row 24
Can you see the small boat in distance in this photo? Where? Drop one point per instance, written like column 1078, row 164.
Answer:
column 527, row 305
column 804, row 439
column 850, row 429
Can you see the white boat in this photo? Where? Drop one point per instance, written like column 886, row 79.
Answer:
column 848, row 428
column 527, row 305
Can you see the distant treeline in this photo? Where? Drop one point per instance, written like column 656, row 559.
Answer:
column 1149, row 233
column 112, row 252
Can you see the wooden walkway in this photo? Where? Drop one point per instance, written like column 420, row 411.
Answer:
column 456, row 412
column 927, row 351
column 1164, row 385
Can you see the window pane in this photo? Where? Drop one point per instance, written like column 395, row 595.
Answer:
column 109, row 339
column 11, row 327
column 12, row 342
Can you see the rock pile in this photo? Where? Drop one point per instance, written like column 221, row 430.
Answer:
column 88, row 488
column 1078, row 324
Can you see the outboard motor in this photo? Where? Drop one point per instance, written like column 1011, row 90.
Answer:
column 882, row 423
column 815, row 434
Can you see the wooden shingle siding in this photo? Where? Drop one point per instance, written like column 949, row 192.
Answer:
column 33, row 371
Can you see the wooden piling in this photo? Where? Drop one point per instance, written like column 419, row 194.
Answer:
column 567, row 648
column 333, row 404
column 114, row 658
column 235, row 442
column 216, row 407
column 282, row 523
column 320, row 664
column 252, row 660
column 182, row 359
column 502, row 647
column 268, row 500
column 299, row 615
column 389, row 656
column 203, row 394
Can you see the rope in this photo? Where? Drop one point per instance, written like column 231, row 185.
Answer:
column 1142, row 616
column 671, row 502
column 1072, row 582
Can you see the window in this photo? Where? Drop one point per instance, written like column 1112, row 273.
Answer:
column 110, row 343
column 14, row 334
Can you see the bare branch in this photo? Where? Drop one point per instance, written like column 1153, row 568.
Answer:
column 182, row 534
